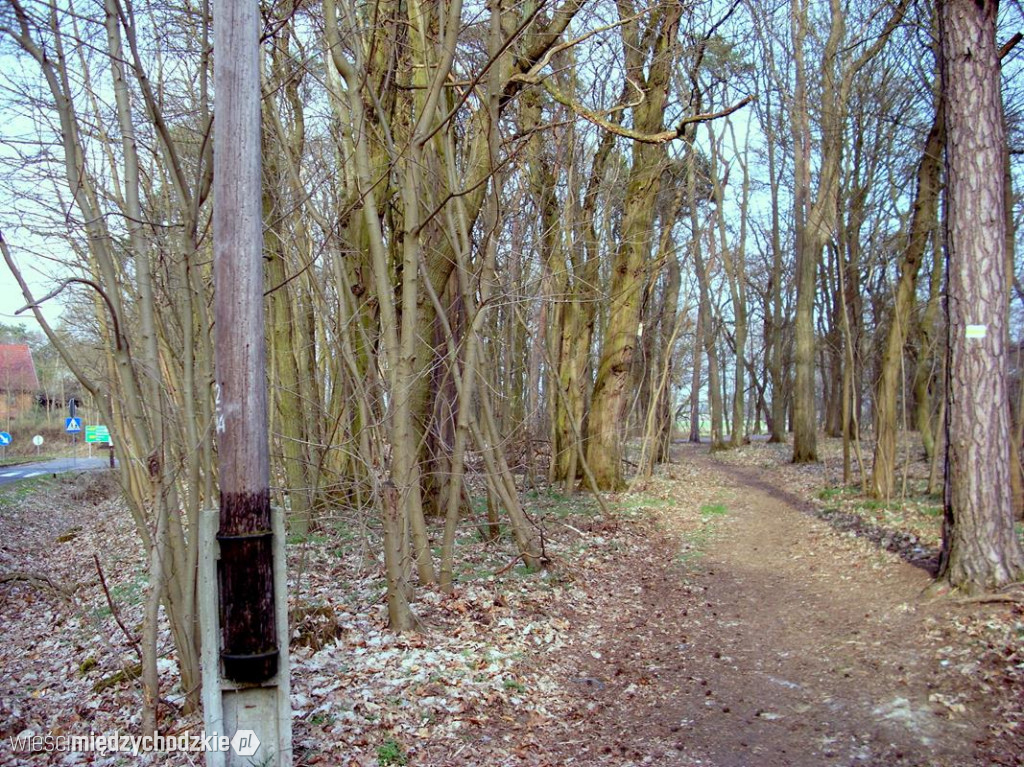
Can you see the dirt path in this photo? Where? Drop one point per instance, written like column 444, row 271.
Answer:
column 711, row 619
column 760, row 638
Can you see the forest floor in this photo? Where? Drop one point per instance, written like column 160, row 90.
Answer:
column 734, row 610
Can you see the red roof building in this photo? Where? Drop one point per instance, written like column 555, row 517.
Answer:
column 18, row 381
column 17, row 371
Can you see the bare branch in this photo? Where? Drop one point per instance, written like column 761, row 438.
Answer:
column 644, row 138
column 118, row 339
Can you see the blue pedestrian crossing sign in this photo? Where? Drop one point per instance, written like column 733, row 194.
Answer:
column 73, row 425
column 5, row 439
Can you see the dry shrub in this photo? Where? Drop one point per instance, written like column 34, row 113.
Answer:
column 93, row 487
column 314, row 627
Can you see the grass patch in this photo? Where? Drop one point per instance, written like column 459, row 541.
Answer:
column 634, row 505
column 343, row 532
column 695, row 541
column 687, row 558
column 909, row 524
column 390, row 752
column 469, row 573
column 709, row 510
column 831, row 493
column 639, row 502
column 127, row 593
column 700, row 537
column 20, row 460
column 315, row 538
column 320, row 718
column 19, row 491
column 875, row 505
column 563, row 506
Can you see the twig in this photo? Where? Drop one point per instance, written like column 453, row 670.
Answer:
column 113, row 609
column 644, row 138
column 507, row 567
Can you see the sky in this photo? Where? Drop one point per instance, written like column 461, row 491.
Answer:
column 17, row 130
column 11, row 299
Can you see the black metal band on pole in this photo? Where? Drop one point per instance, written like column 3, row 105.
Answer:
column 245, row 575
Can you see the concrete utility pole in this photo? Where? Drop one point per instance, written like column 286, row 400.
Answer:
column 245, row 684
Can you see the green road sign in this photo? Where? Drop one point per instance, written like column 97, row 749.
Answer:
column 97, row 434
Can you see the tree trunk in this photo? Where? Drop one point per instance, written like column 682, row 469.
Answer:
column 922, row 224
column 816, row 221
column 287, row 399
column 708, row 342
column 734, row 261
column 925, row 378
column 695, row 379
column 773, row 316
column 671, row 324
column 604, row 450
column 980, row 547
column 805, row 445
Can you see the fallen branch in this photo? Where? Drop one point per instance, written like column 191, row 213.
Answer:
column 127, row 674
column 507, row 567
column 986, row 598
column 40, row 581
column 1002, row 596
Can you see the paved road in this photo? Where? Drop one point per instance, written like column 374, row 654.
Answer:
column 10, row 474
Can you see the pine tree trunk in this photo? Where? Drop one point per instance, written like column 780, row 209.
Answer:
column 980, row 547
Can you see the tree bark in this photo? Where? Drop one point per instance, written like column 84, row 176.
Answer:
column 922, row 225
column 980, row 550
column 628, row 272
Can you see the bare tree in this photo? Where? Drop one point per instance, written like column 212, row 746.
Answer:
column 815, row 217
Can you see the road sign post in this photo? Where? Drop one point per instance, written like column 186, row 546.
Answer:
column 73, row 426
column 97, row 433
